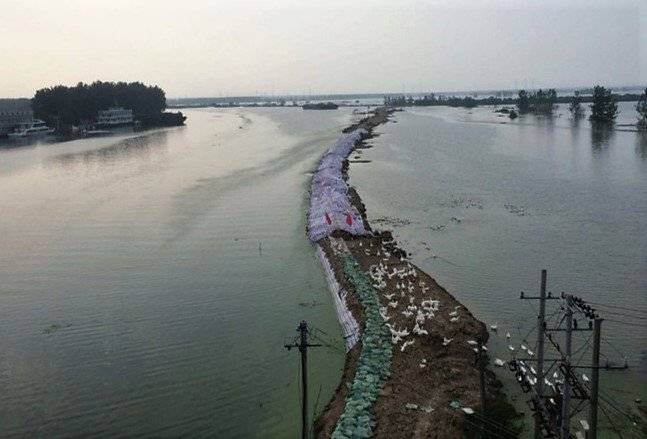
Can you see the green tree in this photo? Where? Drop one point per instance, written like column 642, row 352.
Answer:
column 523, row 102
column 604, row 108
column 641, row 108
column 575, row 107
column 543, row 102
column 65, row 106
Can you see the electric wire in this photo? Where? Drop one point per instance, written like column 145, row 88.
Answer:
column 626, row 323
column 617, row 307
column 490, row 432
column 613, row 425
column 494, row 423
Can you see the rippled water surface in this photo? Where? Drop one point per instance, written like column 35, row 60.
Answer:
column 148, row 280
column 485, row 204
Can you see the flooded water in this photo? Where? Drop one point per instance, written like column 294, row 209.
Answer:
column 496, row 201
column 148, row 281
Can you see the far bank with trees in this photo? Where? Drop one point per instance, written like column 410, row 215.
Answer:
column 604, row 108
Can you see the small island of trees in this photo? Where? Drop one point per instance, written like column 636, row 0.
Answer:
column 540, row 102
column 64, row 107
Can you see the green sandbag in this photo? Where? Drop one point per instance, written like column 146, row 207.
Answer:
column 374, row 364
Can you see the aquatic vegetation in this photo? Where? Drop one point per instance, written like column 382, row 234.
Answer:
column 374, row 364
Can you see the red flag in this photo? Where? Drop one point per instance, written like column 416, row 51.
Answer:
column 328, row 220
column 349, row 219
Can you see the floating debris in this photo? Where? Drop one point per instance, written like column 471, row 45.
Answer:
column 516, row 210
column 391, row 221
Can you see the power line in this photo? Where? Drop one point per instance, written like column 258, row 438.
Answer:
column 618, row 307
column 494, row 423
column 486, row 429
column 626, row 323
column 613, row 425
column 626, row 314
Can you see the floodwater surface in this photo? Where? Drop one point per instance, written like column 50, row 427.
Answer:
column 485, row 203
column 149, row 280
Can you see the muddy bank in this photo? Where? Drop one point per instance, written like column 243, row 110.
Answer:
column 433, row 369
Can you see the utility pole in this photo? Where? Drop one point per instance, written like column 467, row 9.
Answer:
column 303, row 346
column 541, row 326
column 566, row 401
column 536, row 383
column 595, row 377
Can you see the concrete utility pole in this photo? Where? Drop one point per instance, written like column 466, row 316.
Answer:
column 303, row 346
column 595, row 377
column 541, row 326
column 566, row 401
column 538, row 399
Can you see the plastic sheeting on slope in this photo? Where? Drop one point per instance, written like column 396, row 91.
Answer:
column 348, row 323
column 330, row 207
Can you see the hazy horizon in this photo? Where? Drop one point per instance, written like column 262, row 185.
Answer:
column 212, row 48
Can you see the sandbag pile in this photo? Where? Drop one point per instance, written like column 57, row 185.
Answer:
column 330, row 207
column 374, row 364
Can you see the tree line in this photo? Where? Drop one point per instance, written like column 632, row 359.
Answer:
column 66, row 106
column 604, row 108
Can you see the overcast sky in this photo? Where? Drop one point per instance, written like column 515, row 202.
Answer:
column 217, row 48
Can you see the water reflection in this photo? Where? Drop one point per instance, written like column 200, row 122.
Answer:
column 576, row 121
column 137, row 147
column 601, row 135
column 641, row 144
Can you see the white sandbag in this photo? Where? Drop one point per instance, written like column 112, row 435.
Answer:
column 330, row 207
column 350, row 328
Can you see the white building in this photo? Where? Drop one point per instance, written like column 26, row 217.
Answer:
column 114, row 117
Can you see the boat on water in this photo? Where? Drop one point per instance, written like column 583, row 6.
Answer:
column 114, row 117
column 37, row 128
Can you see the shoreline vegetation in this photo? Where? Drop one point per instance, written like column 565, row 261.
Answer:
column 540, row 102
column 424, row 382
column 74, row 110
